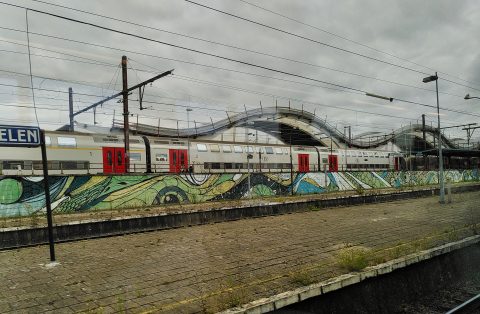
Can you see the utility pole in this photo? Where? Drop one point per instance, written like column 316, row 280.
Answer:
column 423, row 133
column 70, row 108
column 350, row 136
column 125, row 114
column 470, row 128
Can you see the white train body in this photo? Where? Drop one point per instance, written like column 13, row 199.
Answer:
column 75, row 153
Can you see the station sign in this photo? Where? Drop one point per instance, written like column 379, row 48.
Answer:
column 25, row 136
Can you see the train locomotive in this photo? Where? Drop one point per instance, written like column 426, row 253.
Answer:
column 71, row 153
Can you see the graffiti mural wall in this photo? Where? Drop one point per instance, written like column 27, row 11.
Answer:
column 23, row 196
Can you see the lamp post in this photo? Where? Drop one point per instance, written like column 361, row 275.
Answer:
column 440, row 155
column 467, row 97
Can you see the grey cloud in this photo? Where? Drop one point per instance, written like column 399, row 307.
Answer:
column 439, row 34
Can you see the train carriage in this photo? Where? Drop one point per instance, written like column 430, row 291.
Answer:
column 78, row 153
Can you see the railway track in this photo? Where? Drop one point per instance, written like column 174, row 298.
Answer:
column 460, row 298
column 472, row 305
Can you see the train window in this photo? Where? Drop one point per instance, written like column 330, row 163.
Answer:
column 226, row 148
column 249, row 149
column 82, row 164
column 285, row 151
column 348, row 153
column 161, row 157
column 109, row 158
column 67, row 141
column 65, row 165
column 119, row 158
column 365, row 154
column 215, row 165
column 48, row 141
column 238, row 166
column 259, row 149
column 269, row 150
column 202, row 148
column 238, row 149
column 214, row 148
column 15, row 165
column 161, row 142
column 370, row 154
column 278, row 150
column 135, row 156
column 227, row 165
column 73, row 165
column 324, row 160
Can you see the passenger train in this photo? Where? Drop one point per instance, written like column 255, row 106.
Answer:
column 79, row 153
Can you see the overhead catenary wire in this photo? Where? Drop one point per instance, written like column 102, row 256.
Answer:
column 93, row 62
column 239, row 48
column 276, row 96
column 267, row 68
column 188, row 49
column 318, row 42
column 194, row 63
column 245, row 49
column 304, row 37
column 141, row 37
column 349, row 40
column 283, row 97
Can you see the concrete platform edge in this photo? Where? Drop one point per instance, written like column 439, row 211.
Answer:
column 290, row 297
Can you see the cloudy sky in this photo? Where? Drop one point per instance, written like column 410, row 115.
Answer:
column 417, row 37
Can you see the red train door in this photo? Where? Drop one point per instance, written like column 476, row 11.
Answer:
column 119, row 162
column 183, row 162
column 113, row 159
column 303, row 163
column 108, row 153
column 333, row 163
column 395, row 160
column 178, row 160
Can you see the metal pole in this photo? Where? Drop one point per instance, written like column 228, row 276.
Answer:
column 440, row 154
column 349, row 136
column 47, row 196
column 248, row 170
column 125, row 114
column 291, row 166
column 423, row 132
column 70, row 108
column 188, row 134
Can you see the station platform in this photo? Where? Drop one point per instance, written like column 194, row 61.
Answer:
column 210, row 268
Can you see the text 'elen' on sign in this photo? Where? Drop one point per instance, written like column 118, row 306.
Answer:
column 19, row 136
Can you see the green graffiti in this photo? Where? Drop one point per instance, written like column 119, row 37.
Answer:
column 21, row 196
column 10, row 191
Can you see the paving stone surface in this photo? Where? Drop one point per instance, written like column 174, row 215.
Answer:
column 211, row 267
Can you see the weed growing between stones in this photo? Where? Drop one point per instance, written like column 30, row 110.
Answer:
column 353, row 258
column 301, row 278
